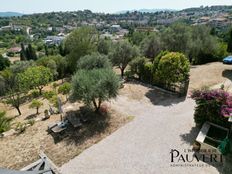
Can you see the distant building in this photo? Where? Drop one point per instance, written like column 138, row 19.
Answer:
column 54, row 40
column 15, row 50
column 115, row 28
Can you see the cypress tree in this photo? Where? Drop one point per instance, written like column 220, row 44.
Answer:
column 23, row 53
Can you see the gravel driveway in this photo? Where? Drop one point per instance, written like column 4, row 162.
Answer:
column 143, row 146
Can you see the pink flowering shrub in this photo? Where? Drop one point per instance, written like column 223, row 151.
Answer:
column 212, row 105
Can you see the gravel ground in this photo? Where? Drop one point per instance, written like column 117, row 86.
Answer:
column 143, row 146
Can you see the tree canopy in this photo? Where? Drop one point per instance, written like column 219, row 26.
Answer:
column 92, row 61
column 4, row 63
column 173, row 67
column 79, row 43
column 94, row 86
column 36, row 77
column 122, row 54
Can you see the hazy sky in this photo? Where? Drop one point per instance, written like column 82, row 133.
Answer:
column 108, row 6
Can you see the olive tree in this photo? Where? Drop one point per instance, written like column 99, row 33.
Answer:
column 122, row 54
column 94, row 86
column 93, row 61
column 151, row 46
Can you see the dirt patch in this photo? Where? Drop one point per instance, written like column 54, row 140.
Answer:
column 20, row 150
column 209, row 74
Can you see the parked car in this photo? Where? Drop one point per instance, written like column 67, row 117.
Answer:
column 227, row 60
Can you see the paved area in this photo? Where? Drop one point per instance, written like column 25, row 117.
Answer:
column 143, row 146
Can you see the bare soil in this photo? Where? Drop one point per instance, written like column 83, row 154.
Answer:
column 209, row 74
column 19, row 150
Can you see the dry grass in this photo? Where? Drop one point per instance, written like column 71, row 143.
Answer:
column 17, row 151
column 209, row 74
column 20, row 150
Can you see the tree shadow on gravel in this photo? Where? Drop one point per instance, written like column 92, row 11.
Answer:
column 191, row 136
column 158, row 97
column 95, row 126
column 227, row 74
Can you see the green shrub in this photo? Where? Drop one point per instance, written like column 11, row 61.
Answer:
column 146, row 74
column 172, row 68
column 35, row 94
column 137, row 66
column 4, row 122
column 31, row 122
column 21, row 127
column 49, row 94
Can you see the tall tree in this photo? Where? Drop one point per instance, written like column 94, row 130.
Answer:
column 122, row 54
column 30, row 53
column 4, row 63
column 23, row 53
column 151, row 46
column 80, row 42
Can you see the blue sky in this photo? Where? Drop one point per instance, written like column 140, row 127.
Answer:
column 108, row 6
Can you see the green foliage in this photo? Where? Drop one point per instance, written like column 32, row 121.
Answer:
column 177, row 37
column 4, row 122
column 36, row 77
column 147, row 75
column 21, row 66
column 57, row 64
column 14, row 88
column 151, row 46
column 35, row 93
column 36, row 104
column 204, row 47
column 79, row 43
column 93, row 61
column 104, row 46
column 21, row 127
column 31, row 122
column 4, row 63
column 49, row 94
column 49, row 63
column 54, row 101
column 94, row 86
column 229, row 47
column 173, row 68
column 2, row 86
column 137, row 66
column 137, row 37
column 64, row 88
column 30, row 53
column 122, row 54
